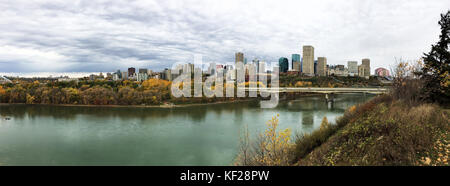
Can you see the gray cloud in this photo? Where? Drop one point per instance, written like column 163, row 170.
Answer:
column 94, row 35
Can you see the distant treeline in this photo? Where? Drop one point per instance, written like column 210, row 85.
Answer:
column 149, row 92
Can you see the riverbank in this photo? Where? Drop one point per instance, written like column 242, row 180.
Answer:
column 382, row 131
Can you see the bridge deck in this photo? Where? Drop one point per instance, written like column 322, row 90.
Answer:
column 321, row 90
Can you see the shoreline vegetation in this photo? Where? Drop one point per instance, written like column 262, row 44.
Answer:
column 169, row 104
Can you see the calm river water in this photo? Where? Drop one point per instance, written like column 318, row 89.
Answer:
column 196, row 135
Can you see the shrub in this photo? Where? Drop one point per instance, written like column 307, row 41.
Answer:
column 271, row 148
column 305, row 142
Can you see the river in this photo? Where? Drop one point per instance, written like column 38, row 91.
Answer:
column 195, row 135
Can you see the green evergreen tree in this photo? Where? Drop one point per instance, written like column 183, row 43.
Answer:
column 435, row 71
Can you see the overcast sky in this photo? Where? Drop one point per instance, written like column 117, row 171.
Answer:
column 97, row 35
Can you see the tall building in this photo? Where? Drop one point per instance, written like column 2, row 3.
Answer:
column 124, row 75
column 212, row 68
column 284, row 64
column 143, row 70
column 262, row 67
column 239, row 57
column 322, row 66
column 296, row 62
column 131, row 71
column 256, row 64
column 352, row 68
column 308, row 60
column 315, row 67
column 119, row 73
column 361, row 69
column 366, row 64
column 167, row 74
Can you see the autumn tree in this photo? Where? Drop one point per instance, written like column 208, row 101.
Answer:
column 2, row 94
column 271, row 148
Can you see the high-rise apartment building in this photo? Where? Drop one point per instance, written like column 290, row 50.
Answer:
column 322, row 66
column 308, row 60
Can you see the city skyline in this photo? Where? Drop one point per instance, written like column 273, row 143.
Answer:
column 54, row 36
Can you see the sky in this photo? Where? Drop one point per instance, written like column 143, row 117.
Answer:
column 98, row 35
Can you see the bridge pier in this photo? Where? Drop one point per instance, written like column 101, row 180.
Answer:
column 329, row 98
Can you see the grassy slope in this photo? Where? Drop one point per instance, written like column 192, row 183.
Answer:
column 380, row 132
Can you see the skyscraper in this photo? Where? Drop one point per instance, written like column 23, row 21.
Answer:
column 366, row 64
column 239, row 57
column 296, row 62
column 308, row 60
column 284, row 64
column 352, row 68
column 322, row 66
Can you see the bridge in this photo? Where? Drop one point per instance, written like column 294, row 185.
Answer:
column 321, row 90
column 4, row 80
column 329, row 92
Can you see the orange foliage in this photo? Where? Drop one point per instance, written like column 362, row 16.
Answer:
column 2, row 91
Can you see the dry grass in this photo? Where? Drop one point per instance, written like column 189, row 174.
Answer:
column 395, row 134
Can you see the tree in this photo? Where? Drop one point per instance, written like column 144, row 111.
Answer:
column 30, row 99
column 435, row 71
column 271, row 148
column 2, row 94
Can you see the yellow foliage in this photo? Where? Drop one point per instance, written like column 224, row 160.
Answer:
column 272, row 148
column 303, row 84
column 252, row 83
column 276, row 144
column 155, row 83
column 30, row 99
